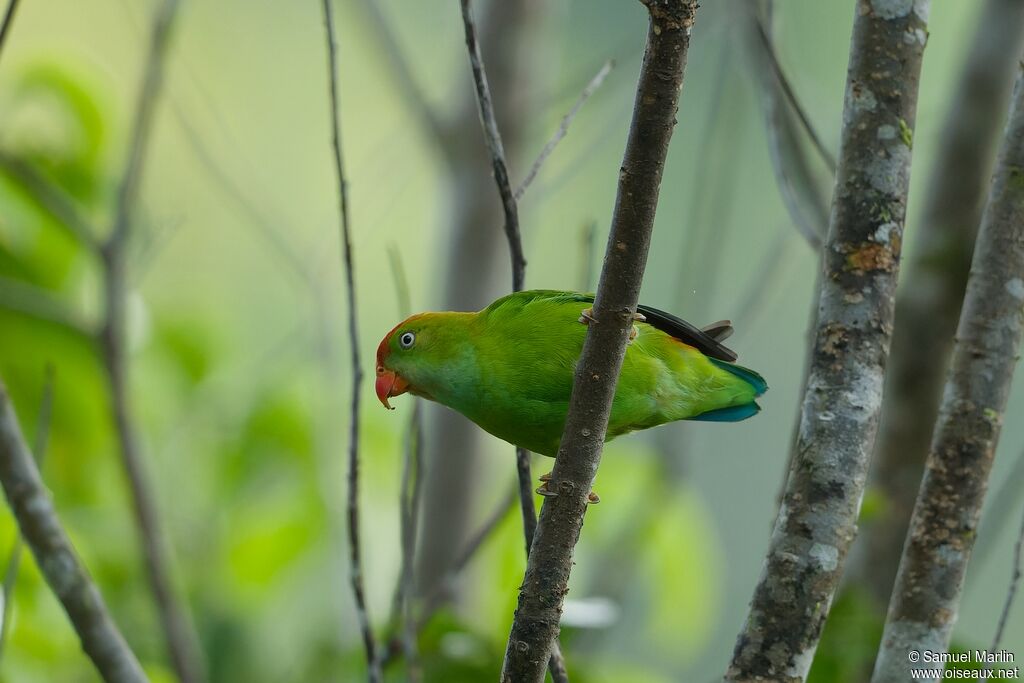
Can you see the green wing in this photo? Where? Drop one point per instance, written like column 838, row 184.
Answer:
column 656, row 318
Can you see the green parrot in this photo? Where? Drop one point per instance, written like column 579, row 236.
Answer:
column 509, row 368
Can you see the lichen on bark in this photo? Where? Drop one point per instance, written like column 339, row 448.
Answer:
column 839, row 419
column 925, row 599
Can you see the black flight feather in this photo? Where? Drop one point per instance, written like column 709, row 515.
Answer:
column 688, row 334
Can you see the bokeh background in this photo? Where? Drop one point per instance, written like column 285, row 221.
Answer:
column 237, row 323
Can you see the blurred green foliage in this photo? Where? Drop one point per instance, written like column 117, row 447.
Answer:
column 239, row 381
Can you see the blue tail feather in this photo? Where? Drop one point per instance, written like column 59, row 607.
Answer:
column 746, row 374
column 730, row 414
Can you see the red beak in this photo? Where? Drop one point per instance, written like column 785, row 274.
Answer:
column 389, row 384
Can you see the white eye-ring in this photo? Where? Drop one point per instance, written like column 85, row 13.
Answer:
column 407, row 340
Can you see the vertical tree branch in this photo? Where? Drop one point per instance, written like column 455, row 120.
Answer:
column 37, row 520
column 928, row 305
column 540, row 600
column 818, row 515
column 925, row 599
column 355, row 546
column 113, row 339
column 515, row 245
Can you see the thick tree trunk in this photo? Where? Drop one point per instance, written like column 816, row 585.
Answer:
column 926, row 597
column 818, row 516
column 928, row 304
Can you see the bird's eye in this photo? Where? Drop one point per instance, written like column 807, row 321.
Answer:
column 407, row 340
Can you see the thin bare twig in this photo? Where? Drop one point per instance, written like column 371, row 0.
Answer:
column 524, row 481
column 1003, row 502
column 180, row 641
column 1011, row 593
column 440, row 593
column 563, row 127
column 452, row 445
column 787, row 127
column 355, row 548
column 492, row 136
column 14, row 559
column 495, row 148
column 409, row 500
column 787, row 89
column 8, row 20
column 535, row 626
column 412, row 487
column 37, row 520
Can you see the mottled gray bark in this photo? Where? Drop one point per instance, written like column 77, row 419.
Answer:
column 926, row 597
column 928, row 304
column 476, row 257
column 535, row 626
column 37, row 520
column 839, row 420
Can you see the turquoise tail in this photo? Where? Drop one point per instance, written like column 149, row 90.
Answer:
column 746, row 374
column 730, row 414
column 736, row 413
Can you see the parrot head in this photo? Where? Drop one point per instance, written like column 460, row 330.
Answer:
column 419, row 354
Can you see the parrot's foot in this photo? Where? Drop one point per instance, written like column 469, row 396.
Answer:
column 587, row 317
column 545, row 490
